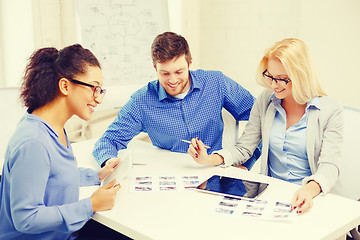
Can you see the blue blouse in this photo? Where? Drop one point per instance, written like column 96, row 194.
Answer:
column 40, row 185
column 287, row 147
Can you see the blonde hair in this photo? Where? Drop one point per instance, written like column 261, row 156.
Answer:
column 295, row 57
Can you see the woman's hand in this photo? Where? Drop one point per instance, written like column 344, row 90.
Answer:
column 109, row 167
column 198, row 152
column 104, row 198
column 303, row 198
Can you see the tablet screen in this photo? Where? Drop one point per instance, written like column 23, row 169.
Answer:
column 233, row 187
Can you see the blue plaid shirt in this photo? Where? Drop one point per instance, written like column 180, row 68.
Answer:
column 167, row 119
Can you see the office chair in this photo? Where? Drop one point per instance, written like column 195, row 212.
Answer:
column 348, row 184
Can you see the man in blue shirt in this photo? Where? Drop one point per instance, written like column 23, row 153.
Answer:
column 181, row 104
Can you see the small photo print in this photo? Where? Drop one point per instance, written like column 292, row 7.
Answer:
column 143, row 178
column 166, row 178
column 223, row 210
column 280, row 204
column 231, row 199
column 281, row 216
column 254, row 208
column 227, row 204
column 190, row 177
column 258, row 201
column 191, row 182
column 166, row 183
column 282, row 210
column 167, row 188
column 143, row 189
column 144, row 183
column 251, row 214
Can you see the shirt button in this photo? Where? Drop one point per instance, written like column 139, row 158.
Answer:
column 188, row 122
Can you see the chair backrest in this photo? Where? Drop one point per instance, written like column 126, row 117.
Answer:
column 348, row 184
column 231, row 129
column 11, row 112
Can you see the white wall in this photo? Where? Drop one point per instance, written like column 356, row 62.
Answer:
column 26, row 25
column 17, row 39
column 232, row 35
column 175, row 14
column 12, row 116
column 332, row 31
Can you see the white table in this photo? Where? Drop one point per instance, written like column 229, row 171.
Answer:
column 190, row 214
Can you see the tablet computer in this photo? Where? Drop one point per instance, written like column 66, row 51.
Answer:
column 120, row 170
column 232, row 187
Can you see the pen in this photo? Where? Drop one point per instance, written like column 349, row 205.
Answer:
column 190, row 142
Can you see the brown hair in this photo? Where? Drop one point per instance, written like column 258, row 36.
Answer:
column 169, row 45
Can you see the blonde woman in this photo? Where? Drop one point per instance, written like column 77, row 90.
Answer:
column 301, row 128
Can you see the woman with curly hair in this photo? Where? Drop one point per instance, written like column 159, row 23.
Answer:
column 40, row 181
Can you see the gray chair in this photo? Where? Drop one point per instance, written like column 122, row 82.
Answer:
column 348, row 184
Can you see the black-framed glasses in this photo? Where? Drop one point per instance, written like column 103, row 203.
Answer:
column 271, row 78
column 97, row 90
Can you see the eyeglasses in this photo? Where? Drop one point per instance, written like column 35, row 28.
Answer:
column 97, row 90
column 271, row 78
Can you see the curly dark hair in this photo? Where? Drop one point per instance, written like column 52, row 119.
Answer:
column 168, row 45
column 46, row 67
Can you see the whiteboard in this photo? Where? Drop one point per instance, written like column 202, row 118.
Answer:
column 120, row 34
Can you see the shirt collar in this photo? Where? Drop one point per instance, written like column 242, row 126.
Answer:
column 194, row 83
column 314, row 103
column 275, row 100
column 39, row 119
column 162, row 94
